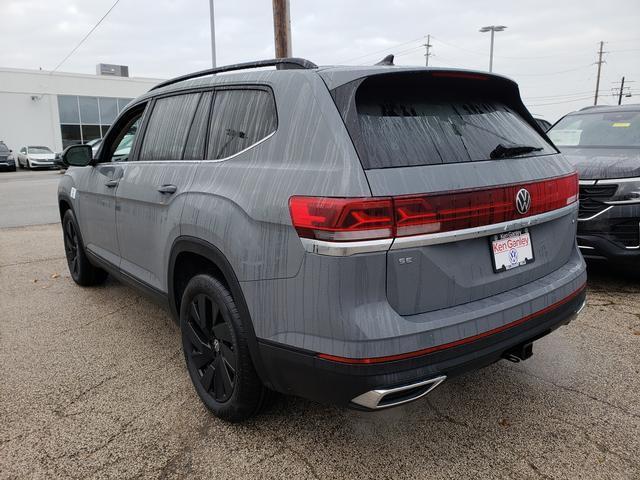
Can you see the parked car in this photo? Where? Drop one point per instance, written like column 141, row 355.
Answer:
column 351, row 235
column 7, row 161
column 544, row 124
column 604, row 145
column 35, row 157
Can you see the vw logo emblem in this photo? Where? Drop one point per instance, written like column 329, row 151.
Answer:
column 523, row 201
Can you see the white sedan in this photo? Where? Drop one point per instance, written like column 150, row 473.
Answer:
column 36, row 156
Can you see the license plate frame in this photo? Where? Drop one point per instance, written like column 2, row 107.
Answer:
column 519, row 260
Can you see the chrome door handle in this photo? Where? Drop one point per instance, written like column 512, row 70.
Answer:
column 111, row 183
column 167, row 189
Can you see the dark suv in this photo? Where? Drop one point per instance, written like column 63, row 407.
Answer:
column 352, row 235
column 604, row 145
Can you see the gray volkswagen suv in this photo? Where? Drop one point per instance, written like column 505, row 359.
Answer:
column 351, row 235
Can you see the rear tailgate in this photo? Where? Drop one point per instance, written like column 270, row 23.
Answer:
column 428, row 140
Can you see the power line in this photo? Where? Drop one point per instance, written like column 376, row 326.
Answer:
column 85, row 37
column 559, row 102
column 382, row 50
column 548, row 73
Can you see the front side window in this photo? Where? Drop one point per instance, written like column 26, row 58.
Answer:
column 606, row 129
column 118, row 147
column 168, row 127
column 240, row 119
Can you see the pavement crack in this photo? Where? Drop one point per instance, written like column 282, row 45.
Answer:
column 574, row 390
column 27, row 262
column 60, row 411
column 97, row 319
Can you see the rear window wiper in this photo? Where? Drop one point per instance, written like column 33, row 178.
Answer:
column 502, row 151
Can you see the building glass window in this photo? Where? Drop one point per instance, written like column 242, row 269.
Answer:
column 68, row 107
column 108, row 110
column 84, row 118
column 70, row 135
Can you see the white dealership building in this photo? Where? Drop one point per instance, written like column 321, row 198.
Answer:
column 59, row 109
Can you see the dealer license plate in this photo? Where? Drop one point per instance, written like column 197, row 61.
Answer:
column 511, row 250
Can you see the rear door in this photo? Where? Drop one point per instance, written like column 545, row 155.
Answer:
column 455, row 150
column 150, row 193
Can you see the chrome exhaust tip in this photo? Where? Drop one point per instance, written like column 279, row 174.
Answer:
column 390, row 397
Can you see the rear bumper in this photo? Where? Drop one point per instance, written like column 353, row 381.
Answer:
column 305, row 374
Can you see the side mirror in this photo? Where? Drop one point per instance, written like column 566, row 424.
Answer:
column 77, row 156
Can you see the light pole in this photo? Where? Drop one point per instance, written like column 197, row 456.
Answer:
column 492, row 29
column 213, row 35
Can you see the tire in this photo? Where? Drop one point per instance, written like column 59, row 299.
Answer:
column 29, row 167
column 81, row 270
column 216, row 351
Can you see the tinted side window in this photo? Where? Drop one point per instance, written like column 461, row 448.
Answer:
column 240, row 119
column 194, row 149
column 168, row 126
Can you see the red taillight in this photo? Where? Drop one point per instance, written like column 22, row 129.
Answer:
column 342, row 219
column 350, row 219
column 446, row 212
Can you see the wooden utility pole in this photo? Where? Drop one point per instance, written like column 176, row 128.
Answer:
column 599, row 63
column 282, row 28
column 620, row 94
column 428, row 53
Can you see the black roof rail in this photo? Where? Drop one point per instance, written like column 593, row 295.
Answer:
column 284, row 63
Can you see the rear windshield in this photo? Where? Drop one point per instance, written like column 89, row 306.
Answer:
column 410, row 126
column 612, row 129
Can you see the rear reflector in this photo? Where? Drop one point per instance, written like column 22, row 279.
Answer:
column 353, row 219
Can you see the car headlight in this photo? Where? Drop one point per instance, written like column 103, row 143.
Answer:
column 628, row 191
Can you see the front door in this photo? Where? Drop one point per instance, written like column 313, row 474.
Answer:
column 150, row 195
column 97, row 188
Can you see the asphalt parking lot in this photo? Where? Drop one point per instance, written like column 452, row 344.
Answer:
column 28, row 197
column 93, row 385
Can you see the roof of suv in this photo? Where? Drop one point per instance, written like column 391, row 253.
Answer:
column 607, row 108
column 333, row 75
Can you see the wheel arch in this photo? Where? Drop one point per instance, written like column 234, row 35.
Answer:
column 188, row 249
column 64, row 204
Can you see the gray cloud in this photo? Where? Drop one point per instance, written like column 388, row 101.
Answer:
column 549, row 47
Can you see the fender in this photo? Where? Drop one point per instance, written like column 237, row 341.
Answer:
column 214, row 255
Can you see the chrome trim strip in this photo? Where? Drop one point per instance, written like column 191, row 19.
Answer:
column 345, row 249
column 585, row 247
column 633, row 201
column 145, row 162
column 372, row 398
column 609, row 181
column 594, row 216
column 587, row 182
column 483, row 231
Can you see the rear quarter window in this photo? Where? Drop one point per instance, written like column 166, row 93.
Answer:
column 240, row 119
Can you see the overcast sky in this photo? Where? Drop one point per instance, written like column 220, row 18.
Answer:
column 549, row 48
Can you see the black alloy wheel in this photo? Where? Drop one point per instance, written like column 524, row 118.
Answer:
column 211, row 349
column 71, row 246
